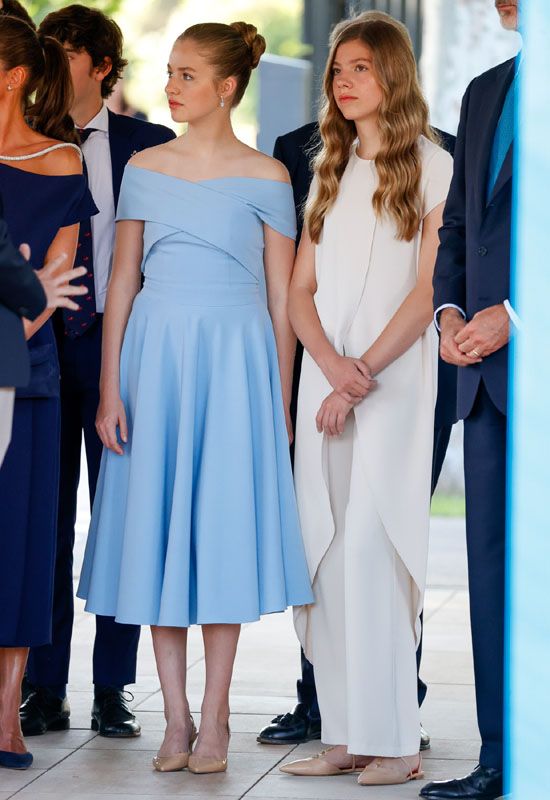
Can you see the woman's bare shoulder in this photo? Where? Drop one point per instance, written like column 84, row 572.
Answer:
column 154, row 158
column 63, row 161
column 260, row 165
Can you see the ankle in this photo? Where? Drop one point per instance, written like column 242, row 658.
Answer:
column 218, row 717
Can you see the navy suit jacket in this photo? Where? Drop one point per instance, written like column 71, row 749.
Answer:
column 128, row 136
column 473, row 264
column 295, row 149
column 21, row 295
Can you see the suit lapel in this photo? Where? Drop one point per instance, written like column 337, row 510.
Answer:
column 120, row 153
column 493, row 102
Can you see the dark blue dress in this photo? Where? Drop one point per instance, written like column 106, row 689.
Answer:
column 35, row 208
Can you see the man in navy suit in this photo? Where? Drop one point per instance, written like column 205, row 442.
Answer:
column 303, row 723
column 93, row 43
column 471, row 291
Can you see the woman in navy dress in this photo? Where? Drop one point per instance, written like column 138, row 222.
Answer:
column 45, row 197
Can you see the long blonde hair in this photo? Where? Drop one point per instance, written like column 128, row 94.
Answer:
column 402, row 118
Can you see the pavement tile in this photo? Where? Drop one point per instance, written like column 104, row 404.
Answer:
column 240, row 723
column 92, row 795
column 151, row 740
column 11, row 780
column 125, row 772
column 61, row 740
column 46, row 757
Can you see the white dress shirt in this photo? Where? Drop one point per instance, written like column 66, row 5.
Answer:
column 97, row 155
column 514, row 318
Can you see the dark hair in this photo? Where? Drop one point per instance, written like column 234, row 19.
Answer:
column 88, row 29
column 234, row 50
column 48, row 75
column 12, row 8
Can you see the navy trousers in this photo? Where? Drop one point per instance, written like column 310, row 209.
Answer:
column 485, row 474
column 115, row 647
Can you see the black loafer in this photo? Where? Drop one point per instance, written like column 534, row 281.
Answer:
column 111, row 715
column 424, row 739
column 293, row 728
column 43, row 711
column 484, row 783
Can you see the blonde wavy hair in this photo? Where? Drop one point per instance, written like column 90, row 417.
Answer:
column 402, row 118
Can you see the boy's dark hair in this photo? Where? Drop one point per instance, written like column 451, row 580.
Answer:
column 88, row 29
column 12, row 8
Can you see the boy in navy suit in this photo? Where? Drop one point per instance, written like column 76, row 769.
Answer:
column 93, row 43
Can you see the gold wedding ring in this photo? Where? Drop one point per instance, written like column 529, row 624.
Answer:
column 474, row 353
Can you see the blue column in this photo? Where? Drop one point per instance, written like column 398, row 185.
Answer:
column 528, row 697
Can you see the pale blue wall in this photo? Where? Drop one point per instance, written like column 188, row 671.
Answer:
column 529, row 555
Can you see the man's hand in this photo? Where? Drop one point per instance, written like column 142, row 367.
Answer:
column 57, row 288
column 451, row 323
column 487, row 332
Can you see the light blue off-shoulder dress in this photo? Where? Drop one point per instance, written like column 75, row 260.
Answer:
column 197, row 521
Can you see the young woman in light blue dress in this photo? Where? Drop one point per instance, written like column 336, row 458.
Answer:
column 195, row 518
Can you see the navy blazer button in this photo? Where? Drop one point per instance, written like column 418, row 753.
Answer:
column 482, row 251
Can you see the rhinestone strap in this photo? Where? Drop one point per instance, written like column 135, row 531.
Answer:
column 43, row 152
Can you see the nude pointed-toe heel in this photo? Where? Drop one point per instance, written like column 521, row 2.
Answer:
column 177, row 761
column 173, row 763
column 205, row 765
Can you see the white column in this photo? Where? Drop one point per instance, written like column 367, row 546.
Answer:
column 529, row 552
column 461, row 39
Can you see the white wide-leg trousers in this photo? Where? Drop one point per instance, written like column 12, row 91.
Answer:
column 362, row 623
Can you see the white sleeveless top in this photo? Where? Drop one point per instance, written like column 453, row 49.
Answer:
column 363, row 275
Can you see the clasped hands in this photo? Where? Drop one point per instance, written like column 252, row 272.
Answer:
column 351, row 380
column 464, row 343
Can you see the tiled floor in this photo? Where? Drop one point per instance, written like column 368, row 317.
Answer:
column 78, row 764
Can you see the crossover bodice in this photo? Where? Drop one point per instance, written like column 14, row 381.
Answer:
column 207, row 232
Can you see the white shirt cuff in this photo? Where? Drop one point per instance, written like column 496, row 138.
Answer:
column 447, row 305
column 514, row 319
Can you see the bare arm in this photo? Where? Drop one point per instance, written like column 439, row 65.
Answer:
column 348, row 376
column 416, row 311
column 124, row 285
column 278, row 262
column 64, row 244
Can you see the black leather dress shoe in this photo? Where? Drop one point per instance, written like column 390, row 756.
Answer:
column 111, row 715
column 293, row 728
column 424, row 739
column 43, row 711
column 484, row 783
column 26, row 689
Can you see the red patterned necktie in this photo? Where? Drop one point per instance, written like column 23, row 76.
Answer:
column 78, row 322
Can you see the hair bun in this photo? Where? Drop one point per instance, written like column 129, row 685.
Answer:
column 253, row 40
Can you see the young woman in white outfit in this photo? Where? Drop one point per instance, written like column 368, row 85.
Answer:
column 361, row 303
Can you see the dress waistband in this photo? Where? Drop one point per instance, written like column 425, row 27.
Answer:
column 193, row 294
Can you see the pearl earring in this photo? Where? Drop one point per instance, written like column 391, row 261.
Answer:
column 10, row 88
column 222, row 102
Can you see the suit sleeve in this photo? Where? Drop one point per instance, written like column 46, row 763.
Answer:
column 163, row 134
column 282, row 154
column 20, row 289
column 450, row 267
column 278, row 150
